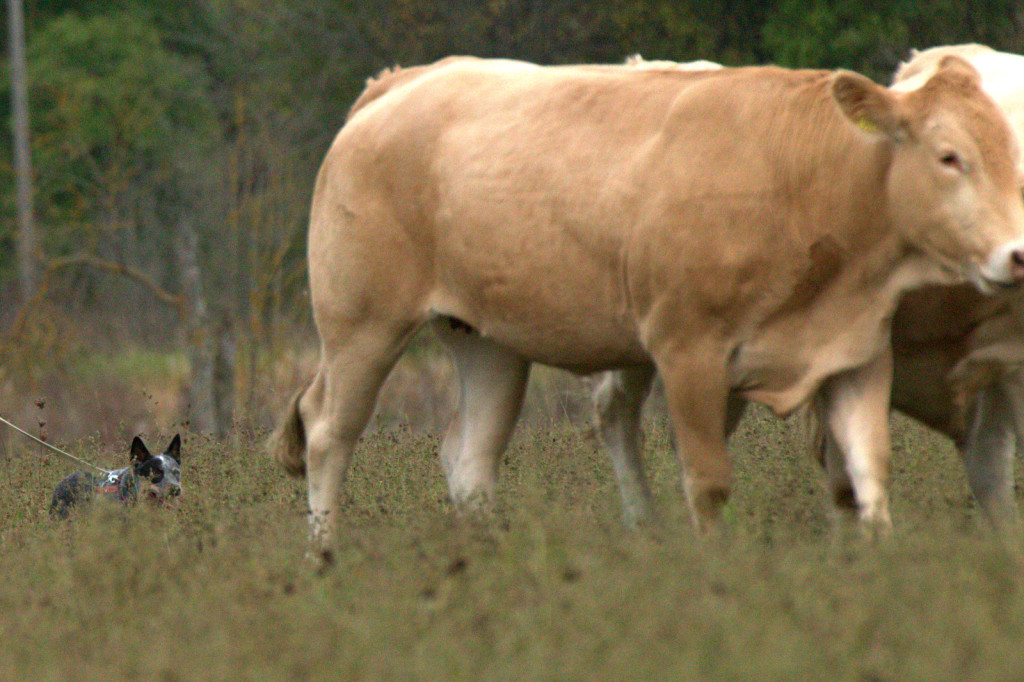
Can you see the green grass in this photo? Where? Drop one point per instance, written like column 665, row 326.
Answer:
column 551, row 588
column 139, row 364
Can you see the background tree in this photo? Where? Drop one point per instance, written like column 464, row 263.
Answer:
column 22, row 155
column 175, row 144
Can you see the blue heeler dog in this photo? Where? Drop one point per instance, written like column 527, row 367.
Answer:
column 154, row 477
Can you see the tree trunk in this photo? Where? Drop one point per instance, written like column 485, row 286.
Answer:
column 224, row 376
column 202, row 415
column 22, row 152
column 211, row 345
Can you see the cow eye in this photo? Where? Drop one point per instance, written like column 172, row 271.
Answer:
column 952, row 160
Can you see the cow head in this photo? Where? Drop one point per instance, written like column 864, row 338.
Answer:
column 953, row 189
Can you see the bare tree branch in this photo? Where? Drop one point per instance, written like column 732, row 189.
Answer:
column 177, row 301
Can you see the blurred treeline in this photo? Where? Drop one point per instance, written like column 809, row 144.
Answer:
column 174, row 145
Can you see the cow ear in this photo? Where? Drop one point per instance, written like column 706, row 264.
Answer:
column 138, row 451
column 869, row 106
column 957, row 69
column 174, row 449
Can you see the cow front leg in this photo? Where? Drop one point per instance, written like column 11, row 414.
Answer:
column 696, row 390
column 492, row 380
column 854, row 408
column 989, row 447
column 618, row 405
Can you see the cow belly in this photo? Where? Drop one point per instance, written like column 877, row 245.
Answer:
column 551, row 327
column 538, row 274
column 574, row 352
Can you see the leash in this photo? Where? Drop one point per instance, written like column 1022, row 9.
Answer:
column 57, row 450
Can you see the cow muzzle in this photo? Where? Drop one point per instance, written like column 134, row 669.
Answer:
column 1004, row 269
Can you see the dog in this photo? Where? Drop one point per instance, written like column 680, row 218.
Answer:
column 156, row 478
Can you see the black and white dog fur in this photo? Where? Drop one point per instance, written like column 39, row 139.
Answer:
column 154, row 477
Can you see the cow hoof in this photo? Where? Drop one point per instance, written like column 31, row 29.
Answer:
column 321, row 560
column 875, row 531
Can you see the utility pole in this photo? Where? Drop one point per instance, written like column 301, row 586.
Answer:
column 22, row 151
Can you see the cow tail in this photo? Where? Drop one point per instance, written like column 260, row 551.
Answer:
column 287, row 444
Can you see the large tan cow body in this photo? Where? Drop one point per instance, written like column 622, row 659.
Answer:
column 745, row 231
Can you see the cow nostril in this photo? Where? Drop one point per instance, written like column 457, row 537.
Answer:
column 1017, row 266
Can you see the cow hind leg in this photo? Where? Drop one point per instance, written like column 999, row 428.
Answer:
column 492, row 381
column 335, row 409
column 618, row 405
column 988, row 452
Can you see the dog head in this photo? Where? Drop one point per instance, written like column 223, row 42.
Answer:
column 158, row 476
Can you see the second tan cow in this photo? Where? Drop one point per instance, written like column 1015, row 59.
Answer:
column 746, row 232
column 959, row 355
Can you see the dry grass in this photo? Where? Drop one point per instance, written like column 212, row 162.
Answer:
column 553, row 587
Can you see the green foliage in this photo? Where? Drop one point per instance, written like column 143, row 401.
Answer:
column 660, row 30
column 113, row 112
column 872, row 37
column 830, row 35
column 158, row 118
column 146, row 112
column 40, row 12
column 146, row 367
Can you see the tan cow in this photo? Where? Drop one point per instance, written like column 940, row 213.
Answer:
column 958, row 354
column 746, row 231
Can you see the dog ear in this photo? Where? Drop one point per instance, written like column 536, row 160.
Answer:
column 138, row 452
column 174, row 449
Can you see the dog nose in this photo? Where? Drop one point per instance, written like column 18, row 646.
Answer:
column 174, row 491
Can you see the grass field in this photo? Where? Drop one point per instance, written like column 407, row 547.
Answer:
column 551, row 588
